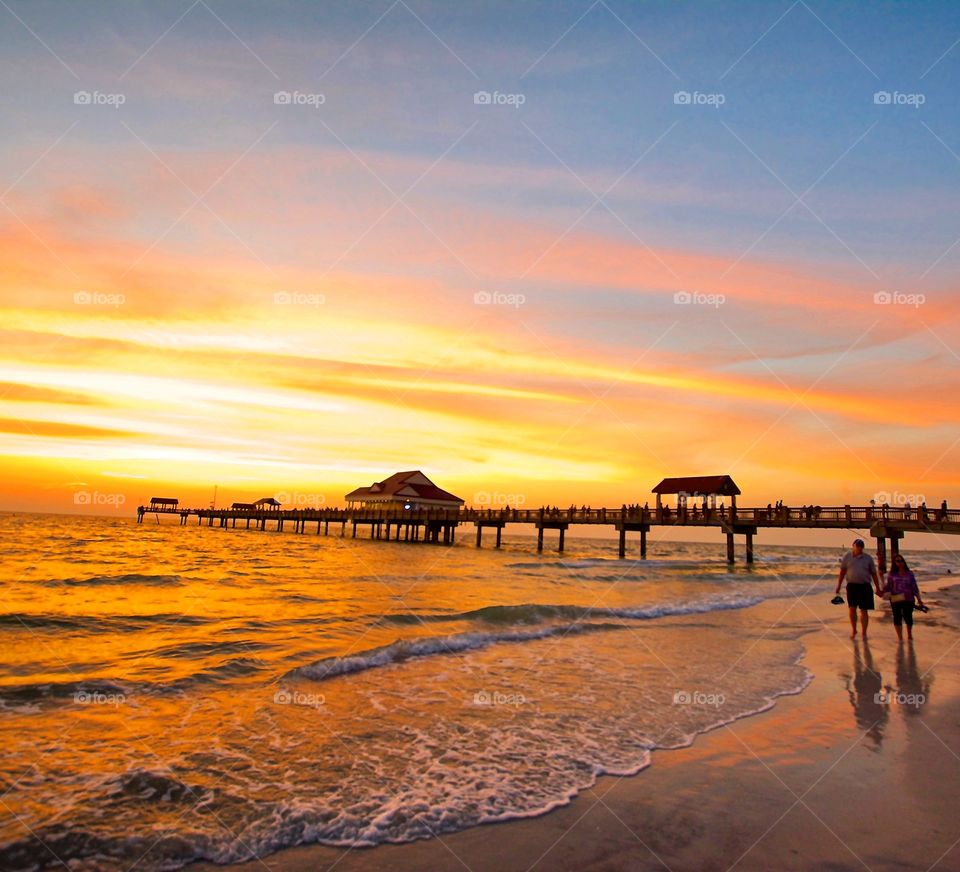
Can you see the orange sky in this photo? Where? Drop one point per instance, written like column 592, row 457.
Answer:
column 204, row 288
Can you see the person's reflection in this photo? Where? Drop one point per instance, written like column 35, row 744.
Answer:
column 866, row 694
column 912, row 690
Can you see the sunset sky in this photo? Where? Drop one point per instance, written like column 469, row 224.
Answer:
column 679, row 239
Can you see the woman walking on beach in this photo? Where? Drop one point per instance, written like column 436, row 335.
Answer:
column 903, row 589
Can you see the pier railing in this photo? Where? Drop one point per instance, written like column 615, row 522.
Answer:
column 759, row 516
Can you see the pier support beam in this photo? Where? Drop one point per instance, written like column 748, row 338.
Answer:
column 643, row 543
column 881, row 532
column 731, row 556
column 560, row 543
column 749, row 538
column 479, row 534
column 499, row 531
column 539, row 539
column 623, row 542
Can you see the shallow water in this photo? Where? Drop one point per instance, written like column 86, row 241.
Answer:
column 171, row 694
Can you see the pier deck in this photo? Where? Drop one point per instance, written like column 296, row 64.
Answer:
column 439, row 525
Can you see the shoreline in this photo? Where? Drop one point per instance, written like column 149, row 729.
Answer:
column 802, row 784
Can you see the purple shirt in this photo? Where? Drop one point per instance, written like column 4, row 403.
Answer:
column 903, row 582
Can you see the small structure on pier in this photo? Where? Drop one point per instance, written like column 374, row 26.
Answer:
column 403, row 490
column 243, row 507
column 709, row 487
column 267, row 503
column 163, row 503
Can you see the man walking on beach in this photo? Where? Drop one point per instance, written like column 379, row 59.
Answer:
column 859, row 570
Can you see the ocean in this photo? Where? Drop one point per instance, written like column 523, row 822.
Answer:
column 170, row 694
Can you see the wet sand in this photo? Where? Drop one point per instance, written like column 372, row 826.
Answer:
column 828, row 779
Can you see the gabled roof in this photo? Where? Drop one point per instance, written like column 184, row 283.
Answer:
column 164, row 500
column 267, row 501
column 412, row 484
column 699, row 485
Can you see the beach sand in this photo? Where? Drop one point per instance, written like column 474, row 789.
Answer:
column 827, row 779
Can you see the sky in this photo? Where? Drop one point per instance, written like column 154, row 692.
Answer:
column 547, row 252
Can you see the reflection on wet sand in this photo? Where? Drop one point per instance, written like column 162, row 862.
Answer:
column 865, row 689
column 913, row 688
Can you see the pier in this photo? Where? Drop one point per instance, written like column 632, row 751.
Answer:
column 439, row 526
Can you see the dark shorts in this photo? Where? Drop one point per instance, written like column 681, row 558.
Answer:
column 902, row 613
column 860, row 596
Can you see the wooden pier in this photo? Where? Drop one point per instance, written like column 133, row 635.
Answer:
column 440, row 525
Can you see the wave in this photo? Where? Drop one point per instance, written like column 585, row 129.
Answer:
column 535, row 613
column 118, row 691
column 582, row 563
column 401, row 650
column 133, row 578
column 101, row 624
column 447, row 800
column 190, row 650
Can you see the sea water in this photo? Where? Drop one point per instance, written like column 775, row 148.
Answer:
column 170, row 693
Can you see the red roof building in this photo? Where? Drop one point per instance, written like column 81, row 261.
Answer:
column 404, row 490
